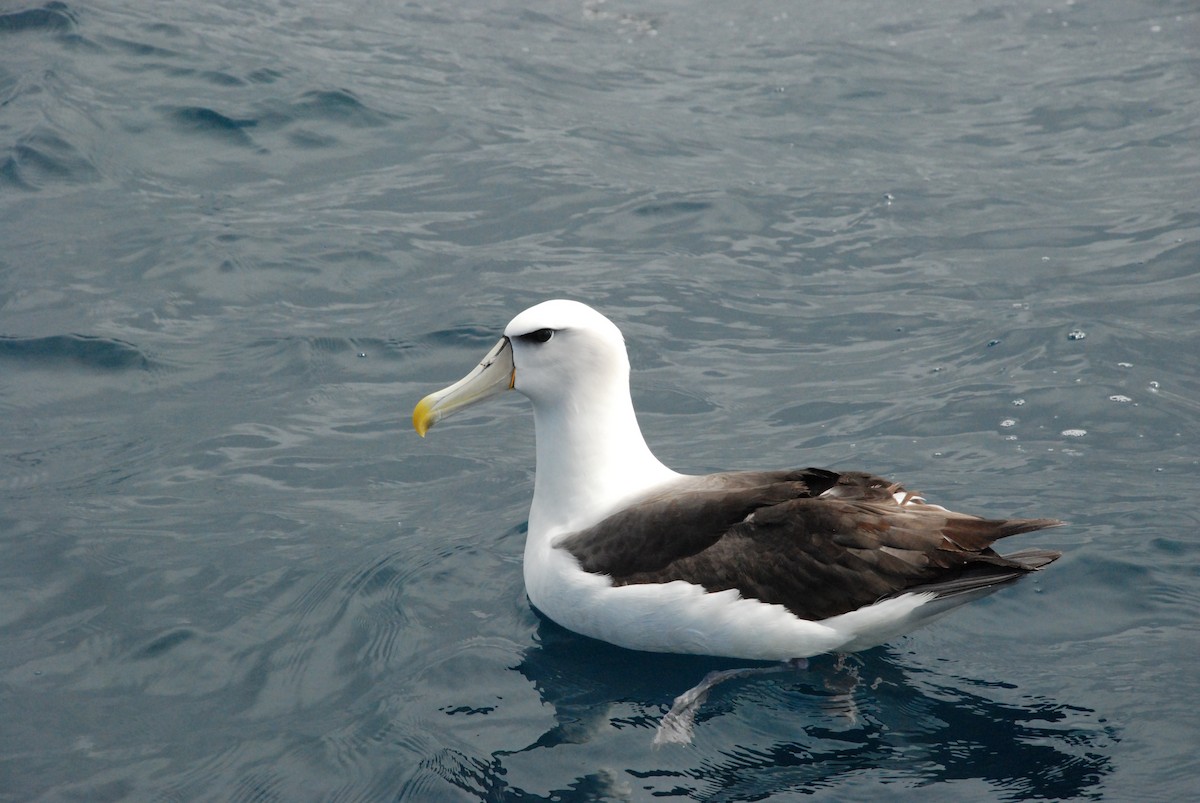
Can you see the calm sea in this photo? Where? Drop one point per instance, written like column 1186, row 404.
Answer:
column 957, row 244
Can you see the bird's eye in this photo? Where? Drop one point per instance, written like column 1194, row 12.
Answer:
column 539, row 335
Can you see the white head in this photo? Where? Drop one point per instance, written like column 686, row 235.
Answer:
column 571, row 362
column 553, row 352
column 564, row 348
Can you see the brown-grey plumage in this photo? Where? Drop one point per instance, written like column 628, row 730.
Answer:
column 818, row 542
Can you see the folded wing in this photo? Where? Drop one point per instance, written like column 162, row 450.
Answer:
column 818, row 542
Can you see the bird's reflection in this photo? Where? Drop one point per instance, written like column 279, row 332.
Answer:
column 851, row 714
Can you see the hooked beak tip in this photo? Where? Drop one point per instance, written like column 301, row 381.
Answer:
column 496, row 373
column 423, row 416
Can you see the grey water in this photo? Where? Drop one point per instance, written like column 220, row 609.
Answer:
column 955, row 244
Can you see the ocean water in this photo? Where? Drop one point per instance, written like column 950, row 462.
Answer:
column 955, row 244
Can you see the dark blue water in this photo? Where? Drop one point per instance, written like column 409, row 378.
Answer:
column 955, row 245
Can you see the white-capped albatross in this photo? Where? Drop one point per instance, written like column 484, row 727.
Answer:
column 764, row 565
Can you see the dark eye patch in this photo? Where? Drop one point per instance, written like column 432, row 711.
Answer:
column 538, row 335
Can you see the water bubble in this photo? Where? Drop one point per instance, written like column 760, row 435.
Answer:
column 1018, row 402
column 1153, row 386
column 1008, row 422
column 1076, row 334
column 1117, row 397
column 1074, row 433
column 1124, row 365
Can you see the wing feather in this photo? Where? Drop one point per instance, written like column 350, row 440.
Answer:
column 818, row 542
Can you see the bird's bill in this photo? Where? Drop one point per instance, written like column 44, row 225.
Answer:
column 495, row 374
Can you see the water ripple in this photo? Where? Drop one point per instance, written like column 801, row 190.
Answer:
column 43, row 158
column 83, row 351
column 54, row 16
column 209, row 122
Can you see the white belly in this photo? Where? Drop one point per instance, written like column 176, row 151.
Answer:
column 684, row 618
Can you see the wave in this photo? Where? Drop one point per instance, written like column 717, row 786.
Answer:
column 72, row 350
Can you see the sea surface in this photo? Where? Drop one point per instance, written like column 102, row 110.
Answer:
column 954, row 243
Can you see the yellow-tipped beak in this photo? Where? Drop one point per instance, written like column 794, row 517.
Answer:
column 495, row 374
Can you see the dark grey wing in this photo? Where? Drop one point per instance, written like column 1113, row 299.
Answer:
column 687, row 519
column 817, row 542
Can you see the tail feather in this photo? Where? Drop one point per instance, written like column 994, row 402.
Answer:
column 973, row 534
column 1034, row 559
column 985, row 576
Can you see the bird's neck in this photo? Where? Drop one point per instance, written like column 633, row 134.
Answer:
column 591, row 458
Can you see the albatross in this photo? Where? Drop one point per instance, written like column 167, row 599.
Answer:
column 770, row 565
